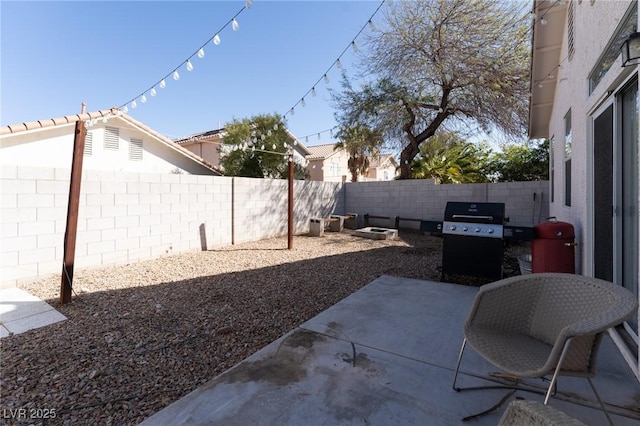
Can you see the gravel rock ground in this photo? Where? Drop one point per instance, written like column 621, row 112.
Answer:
column 141, row 336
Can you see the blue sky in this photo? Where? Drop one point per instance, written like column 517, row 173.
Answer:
column 56, row 55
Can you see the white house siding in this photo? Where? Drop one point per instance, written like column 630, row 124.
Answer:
column 53, row 147
column 595, row 24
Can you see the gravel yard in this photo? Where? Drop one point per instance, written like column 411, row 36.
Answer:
column 141, row 336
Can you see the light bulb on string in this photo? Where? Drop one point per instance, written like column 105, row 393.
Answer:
column 234, row 25
column 262, row 147
column 261, row 137
column 143, row 99
column 313, row 91
column 274, row 147
column 292, row 111
column 354, row 46
column 216, row 39
column 372, row 27
column 339, row 64
column 543, row 21
column 152, row 92
column 163, row 84
column 303, row 103
column 269, row 132
column 201, row 53
column 125, row 109
column 318, row 136
column 275, row 126
column 189, row 65
column 134, row 104
column 248, row 4
column 176, row 76
column 326, row 79
column 306, row 139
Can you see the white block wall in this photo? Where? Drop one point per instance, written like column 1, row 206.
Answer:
column 422, row 199
column 126, row 217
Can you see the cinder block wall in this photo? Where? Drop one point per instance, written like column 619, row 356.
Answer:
column 126, row 217
column 422, row 199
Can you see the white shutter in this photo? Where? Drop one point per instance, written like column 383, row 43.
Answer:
column 135, row 149
column 111, row 138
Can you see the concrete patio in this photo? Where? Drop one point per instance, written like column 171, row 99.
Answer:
column 385, row 355
column 21, row 311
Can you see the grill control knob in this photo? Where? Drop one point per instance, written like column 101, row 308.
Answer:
column 490, row 231
column 477, row 229
column 464, row 228
column 453, row 227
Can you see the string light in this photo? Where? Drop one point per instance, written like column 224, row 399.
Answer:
column 337, row 63
column 303, row 103
column 143, row 99
column 199, row 53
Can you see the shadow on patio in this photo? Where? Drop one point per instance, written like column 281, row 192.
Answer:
column 384, row 355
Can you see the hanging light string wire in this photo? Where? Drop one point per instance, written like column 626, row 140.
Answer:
column 352, row 44
column 199, row 53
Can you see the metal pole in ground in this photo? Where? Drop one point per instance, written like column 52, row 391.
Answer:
column 72, row 213
column 290, row 219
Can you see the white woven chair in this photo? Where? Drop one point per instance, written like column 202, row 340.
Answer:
column 536, row 325
column 533, row 413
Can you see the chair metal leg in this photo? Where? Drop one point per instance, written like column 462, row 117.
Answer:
column 552, row 385
column 455, row 376
column 593, row 388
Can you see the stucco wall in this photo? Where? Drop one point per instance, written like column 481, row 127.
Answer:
column 53, row 147
column 595, row 24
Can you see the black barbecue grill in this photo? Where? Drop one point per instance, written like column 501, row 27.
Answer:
column 473, row 239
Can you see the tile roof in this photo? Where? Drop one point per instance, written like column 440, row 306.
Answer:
column 381, row 160
column 319, row 152
column 106, row 113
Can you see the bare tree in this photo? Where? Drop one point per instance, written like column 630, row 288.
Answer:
column 459, row 62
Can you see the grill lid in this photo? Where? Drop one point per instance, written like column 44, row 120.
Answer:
column 462, row 211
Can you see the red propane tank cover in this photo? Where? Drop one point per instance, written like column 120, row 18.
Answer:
column 553, row 229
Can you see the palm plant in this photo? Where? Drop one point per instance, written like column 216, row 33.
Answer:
column 448, row 159
column 361, row 143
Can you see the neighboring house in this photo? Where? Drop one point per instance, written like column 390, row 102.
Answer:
column 332, row 165
column 328, row 164
column 114, row 141
column 383, row 167
column 208, row 144
column 586, row 103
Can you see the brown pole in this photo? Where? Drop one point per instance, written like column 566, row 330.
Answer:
column 72, row 213
column 290, row 224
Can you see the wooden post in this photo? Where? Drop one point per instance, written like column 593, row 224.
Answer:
column 290, row 222
column 72, row 213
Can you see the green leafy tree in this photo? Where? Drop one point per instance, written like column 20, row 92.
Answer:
column 521, row 162
column 362, row 144
column 258, row 147
column 459, row 63
column 449, row 159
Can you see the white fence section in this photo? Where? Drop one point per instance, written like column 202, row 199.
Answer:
column 526, row 203
column 126, row 217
